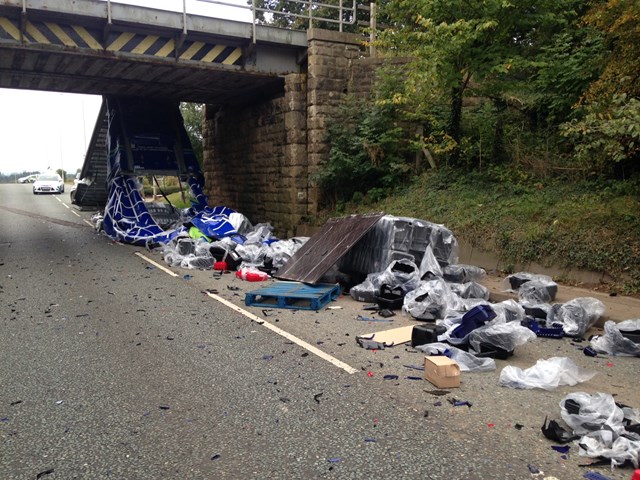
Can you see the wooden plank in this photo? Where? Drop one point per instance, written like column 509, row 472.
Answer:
column 394, row 336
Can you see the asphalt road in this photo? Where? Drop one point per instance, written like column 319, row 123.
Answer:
column 112, row 368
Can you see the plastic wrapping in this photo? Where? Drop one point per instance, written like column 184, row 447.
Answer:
column 252, row 254
column 507, row 311
column 513, row 282
column 280, row 252
column 609, row 444
column 585, row 412
column 470, row 290
column 614, row 343
column 430, row 301
column 537, row 291
column 579, row 315
column 429, row 266
column 506, row 336
column 400, row 273
column 396, row 238
column 461, row 273
column 468, row 362
column 545, row 374
column 260, row 233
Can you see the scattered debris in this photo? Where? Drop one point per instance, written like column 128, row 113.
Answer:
column 215, row 456
column 45, row 472
column 317, row 396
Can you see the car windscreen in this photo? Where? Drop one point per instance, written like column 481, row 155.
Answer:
column 49, row 178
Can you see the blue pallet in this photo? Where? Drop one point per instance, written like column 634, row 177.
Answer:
column 293, row 295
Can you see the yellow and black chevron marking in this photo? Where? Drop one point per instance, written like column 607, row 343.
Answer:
column 75, row 36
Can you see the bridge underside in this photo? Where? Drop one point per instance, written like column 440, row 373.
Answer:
column 46, row 69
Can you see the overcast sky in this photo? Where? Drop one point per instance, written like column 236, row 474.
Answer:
column 40, row 130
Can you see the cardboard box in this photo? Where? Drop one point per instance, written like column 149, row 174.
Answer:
column 442, row 371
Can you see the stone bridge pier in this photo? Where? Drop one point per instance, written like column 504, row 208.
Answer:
column 260, row 158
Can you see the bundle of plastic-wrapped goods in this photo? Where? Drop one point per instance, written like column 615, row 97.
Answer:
column 402, row 274
column 461, row 273
column 614, row 342
column 431, row 300
column 470, row 290
column 399, row 238
column 186, row 252
column 578, row 315
column 531, row 288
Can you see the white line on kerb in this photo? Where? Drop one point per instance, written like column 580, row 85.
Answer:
column 287, row 335
column 155, row 264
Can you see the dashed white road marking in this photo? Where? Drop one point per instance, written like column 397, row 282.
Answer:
column 307, row 346
column 65, row 205
column 76, row 214
column 156, row 264
column 87, row 222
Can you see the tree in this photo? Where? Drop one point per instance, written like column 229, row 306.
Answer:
column 476, row 52
column 192, row 115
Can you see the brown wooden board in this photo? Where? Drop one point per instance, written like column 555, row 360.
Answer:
column 325, row 248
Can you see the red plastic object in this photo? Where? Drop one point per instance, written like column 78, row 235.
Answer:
column 251, row 275
column 636, row 475
column 221, row 266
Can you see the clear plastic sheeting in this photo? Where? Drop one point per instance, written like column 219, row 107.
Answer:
column 461, row 273
column 614, row 343
column 468, row 362
column 537, row 291
column 470, row 290
column 546, row 374
column 629, row 325
column 400, row 273
column 585, row 412
column 280, row 252
column 429, row 266
column 513, row 282
column 396, row 238
column 506, row 336
column 431, row 300
column 606, row 443
column 507, row 311
column 579, row 315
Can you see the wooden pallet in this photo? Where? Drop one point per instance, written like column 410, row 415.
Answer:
column 293, row 295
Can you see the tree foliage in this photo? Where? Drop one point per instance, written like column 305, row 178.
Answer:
column 192, row 115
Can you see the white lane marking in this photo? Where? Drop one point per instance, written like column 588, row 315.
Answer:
column 58, row 199
column 88, row 222
column 76, row 214
column 155, row 264
column 287, row 335
column 65, row 205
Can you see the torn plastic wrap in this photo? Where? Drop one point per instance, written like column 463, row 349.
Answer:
column 461, row 273
column 585, row 412
column 546, row 374
column 470, row 290
column 252, row 254
column 507, row 311
column 280, row 252
column 259, row 234
column 513, row 282
column 506, row 336
column 396, row 238
column 430, row 301
column 429, row 266
column 468, row 362
column 606, row 443
column 614, row 343
column 579, row 315
column 400, row 273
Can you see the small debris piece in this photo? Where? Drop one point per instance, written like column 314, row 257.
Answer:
column 491, row 425
column 16, row 402
column 390, row 377
column 369, row 319
column 334, row 307
column 164, row 407
column 561, row 448
column 437, row 404
column 518, row 426
column 267, row 312
column 426, row 413
column 553, row 431
column 215, row 456
column 590, row 352
column 211, row 290
column 414, row 367
column 370, row 440
column 59, row 402
column 284, row 400
column 169, row 337
column 371, row 307
column 595, row 476
column 188, row 277
column 267, row 357
column 533, row 469
column 369, row 374
column 334, row 460
column 413, row 378
column 317, row 396
column 305, row 354
column 386, row 313
column 438, row 393
column 45, row 472
column 459, row 403
column 233, row 288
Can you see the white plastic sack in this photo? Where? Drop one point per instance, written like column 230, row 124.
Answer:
column 467, row 361
column 430, row 301
column 614, row 343
column 507, row 311
column 546, row 374
column 608, row 444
